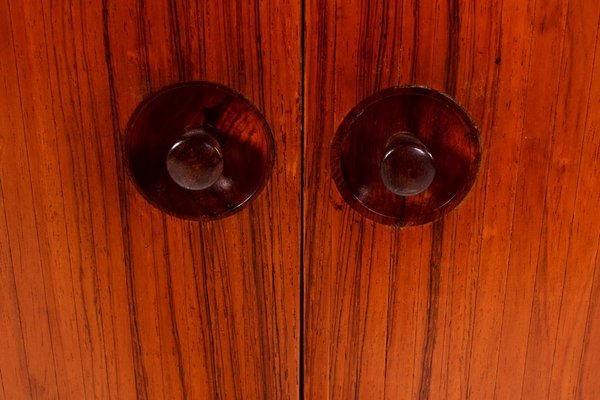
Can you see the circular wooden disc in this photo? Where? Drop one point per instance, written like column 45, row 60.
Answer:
column 435, row 119
column 244, row 137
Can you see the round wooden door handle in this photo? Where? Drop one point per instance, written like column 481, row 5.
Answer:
column 199, row 150
column 405, row 155
column 407, row 168
column 196, row 161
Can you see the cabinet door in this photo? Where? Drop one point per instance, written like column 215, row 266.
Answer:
column 501, row 297
column 101, row 295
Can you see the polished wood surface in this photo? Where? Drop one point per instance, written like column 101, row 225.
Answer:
column 102, row 295
column 501, row 297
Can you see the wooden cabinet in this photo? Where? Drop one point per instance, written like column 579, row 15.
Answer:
column 299, row 296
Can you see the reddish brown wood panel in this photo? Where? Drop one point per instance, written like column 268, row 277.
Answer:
column 501, row 298
column 101, row 295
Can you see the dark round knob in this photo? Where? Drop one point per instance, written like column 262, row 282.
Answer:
column 407, row 167
column 195, row 162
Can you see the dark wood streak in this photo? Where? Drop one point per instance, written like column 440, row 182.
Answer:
column 94, row 153
column 433, row 304
column 144, row 65
column 302, row 278
column 172, row 306
column 415, row 44
column 206, row 316
column 453, row 53
column 176, row 38
column 258, row 281
column 364, row 322
column 140, row 372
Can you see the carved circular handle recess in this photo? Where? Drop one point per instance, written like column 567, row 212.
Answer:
column 199, row 150
column 407, row 168
column 405, row 156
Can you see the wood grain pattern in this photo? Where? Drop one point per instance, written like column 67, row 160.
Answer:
column 500, row 298
column 101, row 295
